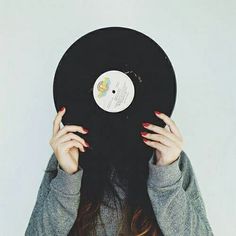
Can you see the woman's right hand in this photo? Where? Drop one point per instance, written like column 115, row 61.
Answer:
column 66, row 145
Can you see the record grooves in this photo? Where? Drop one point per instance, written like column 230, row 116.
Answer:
column 110, row 81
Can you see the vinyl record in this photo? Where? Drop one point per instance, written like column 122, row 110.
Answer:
column 110, row 81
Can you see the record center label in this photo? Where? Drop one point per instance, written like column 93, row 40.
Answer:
column 113, row 91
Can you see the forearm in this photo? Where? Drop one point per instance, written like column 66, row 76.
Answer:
column 56, row 217
column 56, row 210
column 177, row 212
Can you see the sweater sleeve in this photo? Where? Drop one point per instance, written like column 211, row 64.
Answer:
column 57, row 202
column 176, row 198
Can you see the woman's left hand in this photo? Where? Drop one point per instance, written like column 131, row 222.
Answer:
column 168, row 144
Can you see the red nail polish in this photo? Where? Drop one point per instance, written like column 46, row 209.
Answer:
column 62, row 108
column 145, row 124
column 87, row 144
column 85, row 130
column 157, row 112
column 143, row 133
column 145, row 140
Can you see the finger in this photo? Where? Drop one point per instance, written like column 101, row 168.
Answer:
column 163, row 131
column 71, row 136
column 155, row 145
column 174, row 129
column 160, row 138
column 71, row 128
column 72, row 143
column 57, row 121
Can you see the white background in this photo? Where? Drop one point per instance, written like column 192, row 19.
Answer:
column 198, row 37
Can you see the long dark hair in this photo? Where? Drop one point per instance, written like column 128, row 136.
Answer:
column 100, row 171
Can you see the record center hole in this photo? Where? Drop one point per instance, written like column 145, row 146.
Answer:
column 113, row 91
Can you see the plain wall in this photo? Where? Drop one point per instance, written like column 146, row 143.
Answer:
column 199, row 39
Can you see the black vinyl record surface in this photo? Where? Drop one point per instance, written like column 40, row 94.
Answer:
column 110, row 81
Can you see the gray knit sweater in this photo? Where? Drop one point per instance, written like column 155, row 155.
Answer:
column 173, row 190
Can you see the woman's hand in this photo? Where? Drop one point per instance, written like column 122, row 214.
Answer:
column 168, row 144
column 66, row 145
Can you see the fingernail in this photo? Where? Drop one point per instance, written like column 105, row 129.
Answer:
column 62, row 108
column 145, row 124
column 87, row 144
column 85, row 130
column 145, row 140
column 157, row 112
column 143, row 133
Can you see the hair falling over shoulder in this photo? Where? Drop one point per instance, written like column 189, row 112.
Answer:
column 137, row 225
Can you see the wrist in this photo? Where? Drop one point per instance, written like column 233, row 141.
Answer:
column 70, row 172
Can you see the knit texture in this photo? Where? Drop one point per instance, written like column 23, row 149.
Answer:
column 173, row 190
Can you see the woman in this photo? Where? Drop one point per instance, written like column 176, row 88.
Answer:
column 164, row 200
